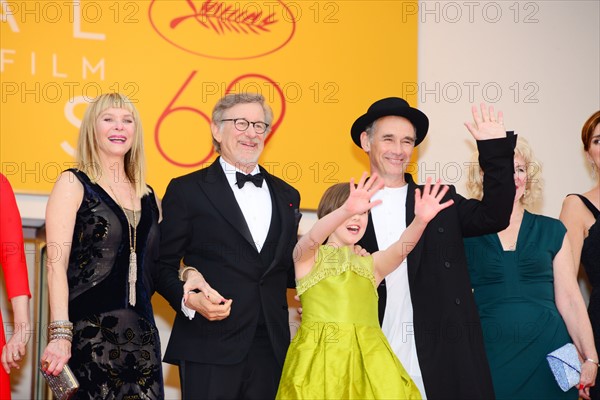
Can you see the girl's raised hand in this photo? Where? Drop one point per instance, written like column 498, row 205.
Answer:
column 359, row 200
column 428, row 205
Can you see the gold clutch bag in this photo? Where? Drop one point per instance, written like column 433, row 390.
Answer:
column 63, row 385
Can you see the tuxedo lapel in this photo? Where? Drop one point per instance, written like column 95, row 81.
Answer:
column 284, row 208
column 215, row 186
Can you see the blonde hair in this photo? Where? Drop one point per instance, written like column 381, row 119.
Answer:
column 88, row 158
column 533, row 186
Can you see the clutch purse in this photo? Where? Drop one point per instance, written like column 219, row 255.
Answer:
column 565, row 365
column 63, row 385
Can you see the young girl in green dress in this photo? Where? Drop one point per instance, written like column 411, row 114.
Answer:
column 339, row 350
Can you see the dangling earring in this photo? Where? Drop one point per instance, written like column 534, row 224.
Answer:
column 594, row 172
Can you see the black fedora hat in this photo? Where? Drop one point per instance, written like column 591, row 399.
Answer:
column 391, row 106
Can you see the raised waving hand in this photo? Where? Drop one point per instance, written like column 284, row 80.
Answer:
column 486, row 125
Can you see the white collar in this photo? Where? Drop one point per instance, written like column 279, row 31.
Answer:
column 230, row 171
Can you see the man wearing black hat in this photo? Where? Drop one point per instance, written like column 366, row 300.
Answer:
column 427, row 308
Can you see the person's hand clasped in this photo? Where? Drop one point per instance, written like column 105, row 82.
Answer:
column 212, row 308
column 15, row 349
column 208, row 302
column 360, row 251
column 195, row 282
column 587, row 379
column 299, row 308
column 487, row 125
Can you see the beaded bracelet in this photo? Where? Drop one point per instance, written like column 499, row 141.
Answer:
column 60, row 324
column 61, row 330
column 61, row 336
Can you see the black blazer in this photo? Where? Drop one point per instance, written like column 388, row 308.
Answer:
column 203, row 225
column 447, row 328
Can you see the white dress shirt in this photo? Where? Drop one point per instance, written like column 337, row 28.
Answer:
column 389, row 221
column 255, row 203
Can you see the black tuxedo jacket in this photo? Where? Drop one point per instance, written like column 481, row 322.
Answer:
column 447, row 329
column 203, row 225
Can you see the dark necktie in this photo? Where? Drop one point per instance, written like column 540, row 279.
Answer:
column 257, row 179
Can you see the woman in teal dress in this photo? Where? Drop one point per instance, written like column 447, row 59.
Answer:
column 339, row 350
column 527, row 295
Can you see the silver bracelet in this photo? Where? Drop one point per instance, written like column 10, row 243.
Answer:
column 61, row 336
column 60, row 324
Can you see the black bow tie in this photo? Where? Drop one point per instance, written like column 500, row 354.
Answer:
column 257, row 179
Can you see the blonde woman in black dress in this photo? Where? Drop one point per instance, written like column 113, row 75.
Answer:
column 102, row 233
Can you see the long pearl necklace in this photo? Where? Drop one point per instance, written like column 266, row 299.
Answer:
column 132, row 278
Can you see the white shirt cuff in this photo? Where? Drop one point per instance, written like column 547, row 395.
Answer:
column 188, row 312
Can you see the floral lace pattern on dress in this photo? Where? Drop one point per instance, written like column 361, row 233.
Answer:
column 94, row 251
column 114, row 356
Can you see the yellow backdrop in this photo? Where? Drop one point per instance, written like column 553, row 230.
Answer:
column 319, row 63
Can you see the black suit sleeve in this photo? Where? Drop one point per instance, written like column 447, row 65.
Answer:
column 291, row 270
column 175, row 234
column 492, row 213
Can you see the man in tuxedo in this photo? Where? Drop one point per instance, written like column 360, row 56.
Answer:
column 426, row 306
column 236, row 225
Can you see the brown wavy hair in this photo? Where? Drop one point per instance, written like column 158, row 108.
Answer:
column 333, row 198
column 588, row 129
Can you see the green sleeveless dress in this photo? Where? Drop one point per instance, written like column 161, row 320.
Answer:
column 514, row 292
column 339, row 350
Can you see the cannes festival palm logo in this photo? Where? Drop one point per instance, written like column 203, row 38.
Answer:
column 224, row 30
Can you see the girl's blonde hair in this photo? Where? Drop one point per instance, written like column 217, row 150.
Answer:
column 533, row 187
column 88, row 158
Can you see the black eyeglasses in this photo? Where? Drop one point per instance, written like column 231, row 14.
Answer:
column 242, row 124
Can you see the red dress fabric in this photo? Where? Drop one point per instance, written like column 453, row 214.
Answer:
column 12, row 260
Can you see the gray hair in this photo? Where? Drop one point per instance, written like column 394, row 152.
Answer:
column 230, row 100
column 371, row 128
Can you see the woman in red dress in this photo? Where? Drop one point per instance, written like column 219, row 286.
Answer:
column 12, row 260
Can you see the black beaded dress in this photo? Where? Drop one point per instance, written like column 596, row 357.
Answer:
column 590, row 259
column 116, row 346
